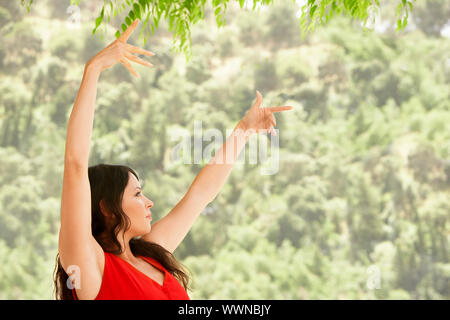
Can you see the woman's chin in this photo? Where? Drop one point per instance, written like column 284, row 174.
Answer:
column 148, row 229
column 144, row 231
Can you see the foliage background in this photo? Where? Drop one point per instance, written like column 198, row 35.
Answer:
column 364, row 170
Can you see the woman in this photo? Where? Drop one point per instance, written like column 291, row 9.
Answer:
column 106, row 241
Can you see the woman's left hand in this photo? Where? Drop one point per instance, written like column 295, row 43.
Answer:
column 120, row 51
column 258, row 118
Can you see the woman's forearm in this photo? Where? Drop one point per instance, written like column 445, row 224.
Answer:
column 79, row 128
column 213, row 175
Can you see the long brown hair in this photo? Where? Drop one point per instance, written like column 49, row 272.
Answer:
column 107, row 184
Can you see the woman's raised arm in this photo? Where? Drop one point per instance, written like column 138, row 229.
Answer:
column 79, row 129
column 77, row 247
column 171, row 229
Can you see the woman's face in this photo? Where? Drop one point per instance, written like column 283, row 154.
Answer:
column 137, row 207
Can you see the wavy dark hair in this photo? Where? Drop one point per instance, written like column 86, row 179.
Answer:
column 107, row 184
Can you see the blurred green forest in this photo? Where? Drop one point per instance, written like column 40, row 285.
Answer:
column 364, row 172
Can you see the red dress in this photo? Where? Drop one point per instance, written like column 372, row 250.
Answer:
column 122, row 281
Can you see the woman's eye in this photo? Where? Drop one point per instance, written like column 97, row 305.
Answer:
column 137, row 194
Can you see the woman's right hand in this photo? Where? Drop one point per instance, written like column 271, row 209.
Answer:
column 120, row 51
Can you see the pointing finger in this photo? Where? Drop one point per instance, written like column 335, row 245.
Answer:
column 278, row 109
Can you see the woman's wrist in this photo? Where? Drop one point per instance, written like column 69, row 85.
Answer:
column 92, row 67
column 241, row 129
column 241, row 125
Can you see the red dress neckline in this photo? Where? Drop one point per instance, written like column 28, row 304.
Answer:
column 152, row 262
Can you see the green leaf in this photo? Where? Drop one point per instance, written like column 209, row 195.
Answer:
column 131, row 15
column 399, row 9
column 128, row 21
column 98, row 21
column 124, row 27
column 171, row 20
column 117, row 34
column 137, row 10
column 311, row 13
column 405, row 22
